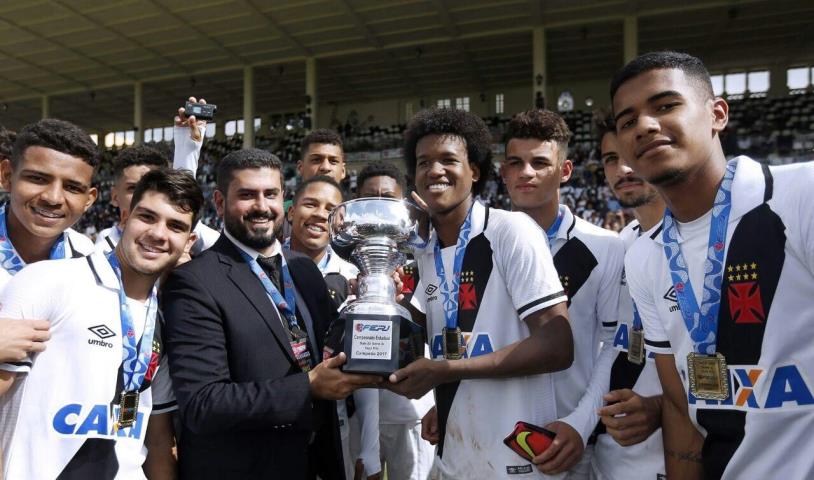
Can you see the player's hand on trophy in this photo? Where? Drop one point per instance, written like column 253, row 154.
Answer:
column 328, row 382
column 418, row 378
column 182, row 120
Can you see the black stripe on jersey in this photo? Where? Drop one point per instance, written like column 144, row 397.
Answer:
column 624, row 374
column 664, row 344
column 110, row 242
column 610, row 324
column 532, row 304
column 476, row 270
column 657, row 231
column 769, row 180
column 574, row 262
column 755, row 256
column 74, row 253
column 96, row 459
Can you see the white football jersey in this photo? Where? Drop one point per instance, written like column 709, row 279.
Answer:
column 765, row 322
column 505, row 277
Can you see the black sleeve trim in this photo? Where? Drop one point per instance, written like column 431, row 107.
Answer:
column 610, row 324
column 533, row 304
column 19, row 364
column 110, row 242
column 664, row 344
column 164, row 406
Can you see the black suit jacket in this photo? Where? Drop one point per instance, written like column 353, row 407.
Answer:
column 246, row 408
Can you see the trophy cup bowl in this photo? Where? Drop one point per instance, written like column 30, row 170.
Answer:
column 379, row 334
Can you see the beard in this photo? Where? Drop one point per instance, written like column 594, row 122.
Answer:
column 669, row 178
column 638, row 200
column 237, row 226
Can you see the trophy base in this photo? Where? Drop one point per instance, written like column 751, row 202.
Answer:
column 380, row 344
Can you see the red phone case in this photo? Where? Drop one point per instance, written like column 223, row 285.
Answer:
column 529, row 440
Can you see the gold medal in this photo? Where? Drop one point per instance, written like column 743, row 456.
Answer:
column 709, row 376
column 128, row 410
column 635, row 349
column 453, row 343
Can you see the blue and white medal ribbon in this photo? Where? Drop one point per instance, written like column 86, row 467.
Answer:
column 136, row 354
column 9, row 258
column 702, row 322
column 551, row 232
column 450, row 292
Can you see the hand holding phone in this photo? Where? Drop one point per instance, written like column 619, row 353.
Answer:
column 528, row 440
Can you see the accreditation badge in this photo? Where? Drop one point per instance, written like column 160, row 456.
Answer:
column 128, row 410
column 709, row 377
column 635, row 349
column 453, row 345
column 299, row 347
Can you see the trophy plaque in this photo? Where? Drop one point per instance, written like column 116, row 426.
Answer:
column 379, row 334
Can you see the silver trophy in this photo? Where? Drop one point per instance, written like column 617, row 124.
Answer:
column 379, row 334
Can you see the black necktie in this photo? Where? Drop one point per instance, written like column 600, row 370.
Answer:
column 272, row 266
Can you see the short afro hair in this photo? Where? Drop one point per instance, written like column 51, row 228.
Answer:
column 248, row 158
column 59, row 135
column 321, row 136
column 380, row 168
column 543, row 125
column 7, row 138
column 692, row 67
column 603, row 123
column 136, row 156
column 317, row 179
column 462, row 124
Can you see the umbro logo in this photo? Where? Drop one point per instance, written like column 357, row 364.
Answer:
column 103, row 332
column 671, row 296
column 429, row 292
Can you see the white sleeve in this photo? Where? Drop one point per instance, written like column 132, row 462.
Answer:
column 525, row 263
column 802, row 235
column 584, row 418
column 23, row 298
column 207, row 236
column 639, row 281
column 161, row 389
column 187, row 150
column 367, row 407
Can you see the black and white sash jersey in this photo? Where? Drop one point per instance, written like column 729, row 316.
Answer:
column 505, row 277
column 765, row 322
column 589, row 262
column 612, row 461
column 57, row 419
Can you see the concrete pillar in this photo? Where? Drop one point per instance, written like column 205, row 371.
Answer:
column 220, row 131
column 46, row 106
column 538, row 72
column 311, row 91
column 138, row 113
column 777, row 81
column 631, row 41
column 248, row 107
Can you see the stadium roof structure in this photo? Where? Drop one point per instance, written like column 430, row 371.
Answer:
column 86, row 55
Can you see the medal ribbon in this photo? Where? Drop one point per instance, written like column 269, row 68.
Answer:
column 9, row 258
column 551, row 233
column 288, row 305
column 136, row 355
column 450, row 293
column 637, row 319
column 702, row 323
